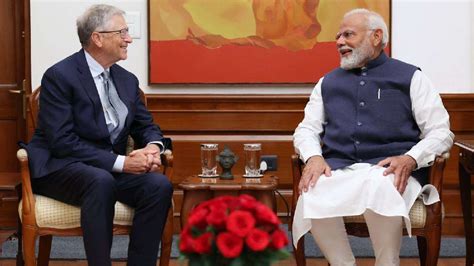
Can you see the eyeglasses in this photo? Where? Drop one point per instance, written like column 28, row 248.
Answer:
column 348, row 34
column 123, row 32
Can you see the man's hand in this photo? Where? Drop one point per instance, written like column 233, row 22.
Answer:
column 401, row 166
column 315, row 167
column 150, row 156
column 136, row 164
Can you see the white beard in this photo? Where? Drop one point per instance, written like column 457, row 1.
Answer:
column 357, row 57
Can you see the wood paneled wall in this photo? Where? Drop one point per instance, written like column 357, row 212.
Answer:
column 271, row 119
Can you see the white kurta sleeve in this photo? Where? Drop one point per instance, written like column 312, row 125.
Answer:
column 306, row 139
column 432, row 119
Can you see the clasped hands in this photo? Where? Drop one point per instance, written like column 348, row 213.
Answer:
column 143, row 160
column 401, row 166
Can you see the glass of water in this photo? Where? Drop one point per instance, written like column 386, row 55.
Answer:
column 208, row 160
column 252, row 159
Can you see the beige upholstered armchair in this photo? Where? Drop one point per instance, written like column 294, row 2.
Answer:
column 44, row 217
column 426, row 220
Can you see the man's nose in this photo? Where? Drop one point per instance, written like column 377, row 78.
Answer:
column 128, row 39
column 340, row 41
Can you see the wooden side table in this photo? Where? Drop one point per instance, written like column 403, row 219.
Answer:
column 466, row 169
column 197, row 189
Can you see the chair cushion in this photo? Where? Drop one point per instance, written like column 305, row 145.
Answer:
column 417, row 215
column 55, row 214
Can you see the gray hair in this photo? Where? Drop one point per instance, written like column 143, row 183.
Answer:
column 95, row 18
column 374, row 22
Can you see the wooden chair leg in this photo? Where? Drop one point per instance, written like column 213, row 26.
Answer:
column 422, row 246
column 29, row 240
column 167, row 240
column 433, row 240
column 299, row 253
column 19, row 252
column 44, row 250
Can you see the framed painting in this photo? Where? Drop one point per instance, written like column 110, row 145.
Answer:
column 246, row 41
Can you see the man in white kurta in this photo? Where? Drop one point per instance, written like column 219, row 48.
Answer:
column 371, row 128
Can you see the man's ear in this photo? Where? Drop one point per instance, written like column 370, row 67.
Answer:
column 378, row 36
column 96, row 38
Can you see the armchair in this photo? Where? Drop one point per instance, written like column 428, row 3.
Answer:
column 426, row 220
column 44, row 217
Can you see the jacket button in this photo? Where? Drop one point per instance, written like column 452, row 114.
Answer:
column 362, row 83
column 362, row 103
column 359, row 123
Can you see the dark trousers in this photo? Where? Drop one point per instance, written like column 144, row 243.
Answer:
column 96, row 191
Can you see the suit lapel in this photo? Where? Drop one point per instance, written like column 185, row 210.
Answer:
column 88, row 84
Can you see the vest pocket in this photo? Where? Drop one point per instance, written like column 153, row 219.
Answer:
column 393, row 107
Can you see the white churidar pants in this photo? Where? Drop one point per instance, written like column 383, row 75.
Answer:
column 385, row 234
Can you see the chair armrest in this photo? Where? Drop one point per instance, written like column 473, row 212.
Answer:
column 296, row 167
column 167, row 163
column 28, row 200
column 436, row 172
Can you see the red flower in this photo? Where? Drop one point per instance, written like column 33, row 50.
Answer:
column 217, row 205
column 247, row 202
column 203, row 243
column 186, row 242
column 233, row 203
column 229, row 244
column 203, row 205
column 198, row 218
column 265, row 215
column 279, row 239
column 217, row 218
column 240, row 223
column 257, row 240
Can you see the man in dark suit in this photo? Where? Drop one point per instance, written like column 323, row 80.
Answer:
column 88, row 107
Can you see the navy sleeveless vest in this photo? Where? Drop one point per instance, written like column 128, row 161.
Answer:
column 368, row 114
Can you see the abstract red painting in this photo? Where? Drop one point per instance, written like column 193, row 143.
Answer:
column 246, row 41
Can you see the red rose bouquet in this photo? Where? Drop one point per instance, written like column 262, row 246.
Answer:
column 233, row 231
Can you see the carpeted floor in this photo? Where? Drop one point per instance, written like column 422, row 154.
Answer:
column 72, row 247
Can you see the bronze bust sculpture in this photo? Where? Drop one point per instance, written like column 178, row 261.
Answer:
column 226, row 160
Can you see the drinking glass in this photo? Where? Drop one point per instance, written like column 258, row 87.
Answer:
column 208, row 160
column 252, row 159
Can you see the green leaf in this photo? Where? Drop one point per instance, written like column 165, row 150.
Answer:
column 281, row 254
column 200, row 260
column 194, row 262
column 237, row 262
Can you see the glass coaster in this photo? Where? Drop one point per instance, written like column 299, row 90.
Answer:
column 252, row 176
column 207, row 176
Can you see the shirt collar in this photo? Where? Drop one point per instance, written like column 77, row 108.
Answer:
column 382, row 58
column 94, row 66
column 379, row 60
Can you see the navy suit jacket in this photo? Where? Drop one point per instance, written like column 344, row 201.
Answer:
column 71, row 124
